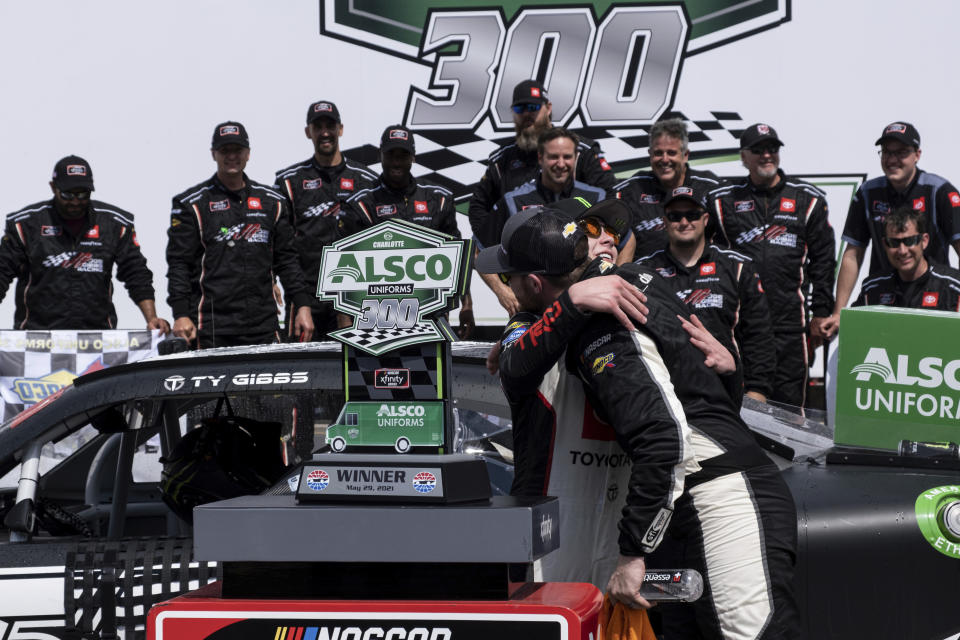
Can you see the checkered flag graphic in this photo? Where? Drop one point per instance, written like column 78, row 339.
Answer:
column 456, row 159
column 419, row 362
column 378, row 341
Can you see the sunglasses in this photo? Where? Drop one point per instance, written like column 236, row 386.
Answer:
column 528, row 107
column 75, row 195
column 691, row 215
column 761, row 149
column 593, row 227
column 909, row 241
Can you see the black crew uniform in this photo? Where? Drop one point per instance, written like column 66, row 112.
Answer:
column 315, row 195
column 425, row 204
column 64, row 280
column 531, row 193
column 724, row 291
column 223, row 250
column 938, row 288
column 630, row 378
column 934, row 196
column 644, row 194
column 510, row 166
column 786, row 231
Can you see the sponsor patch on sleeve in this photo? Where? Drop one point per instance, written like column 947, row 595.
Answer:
column 954, row 198
column 516, row 331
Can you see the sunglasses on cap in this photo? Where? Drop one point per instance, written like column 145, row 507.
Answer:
column 528, row 107
column 691, row 215
column 908, row 241
column 75, row 195
column 593, row 227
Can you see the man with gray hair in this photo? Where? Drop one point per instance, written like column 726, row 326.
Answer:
column 645, row 192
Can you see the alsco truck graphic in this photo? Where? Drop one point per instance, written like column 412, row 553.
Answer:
column 400, row 425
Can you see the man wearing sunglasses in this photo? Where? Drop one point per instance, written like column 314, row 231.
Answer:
column 902, row 184
column 515, row 164
column 720, row 286
column 782, row 224
column 62, row 253
column 914, row 281
column 646, row 191
column 700, row 491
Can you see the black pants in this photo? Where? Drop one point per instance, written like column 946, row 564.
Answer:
column 790, row 379
column 207, row 340
column 740, row 532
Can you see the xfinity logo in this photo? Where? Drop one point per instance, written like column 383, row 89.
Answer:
column 930, row 371
column 546, row 529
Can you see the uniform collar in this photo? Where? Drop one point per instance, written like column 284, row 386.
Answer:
column 407, row 191
column 777, row 188
column 331, row 171
column 913, row 183
column 233, row 195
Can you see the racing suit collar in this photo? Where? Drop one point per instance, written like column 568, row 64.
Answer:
column 900, row 194
column 775, row 189
column 705, row 256
column 551, row 196
column 329, row 172
column 233, row 195
column 407, row 191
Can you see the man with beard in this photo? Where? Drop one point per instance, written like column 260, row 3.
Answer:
column 515, row 164
column 399, row 195
column 62, row 253
column 556, row 156
column 316, row 189
column 645, row 192
column 720, row 286
column 228, row 235
column 914, row 281
column 902, row 183
column 701, row 493
column 782, row 224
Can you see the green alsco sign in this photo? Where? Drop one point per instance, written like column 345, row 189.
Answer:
column 389, row 278
column 898, row 376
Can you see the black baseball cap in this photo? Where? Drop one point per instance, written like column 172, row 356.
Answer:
column 757, row 133
column 529, row 91
column 685, row 193
column 901, row 132
column 537, row 239
column 323, row 109
column 613, row 212
column 229, row 133
column 72, row 172
column 397, row 136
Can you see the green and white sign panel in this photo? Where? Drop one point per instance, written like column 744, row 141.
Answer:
column 898, row 377
column 393, row 279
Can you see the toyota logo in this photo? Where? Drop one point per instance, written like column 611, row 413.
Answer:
column 174, row 383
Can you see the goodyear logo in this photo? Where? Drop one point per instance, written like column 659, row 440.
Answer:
column 603, row 362
column 33, row 390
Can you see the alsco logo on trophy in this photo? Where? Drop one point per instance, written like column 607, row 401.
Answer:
column 390, row 278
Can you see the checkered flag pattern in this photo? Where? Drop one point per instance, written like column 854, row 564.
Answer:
column 35, row 364
column 456, row 159
column 378, row 341
column 420, row 360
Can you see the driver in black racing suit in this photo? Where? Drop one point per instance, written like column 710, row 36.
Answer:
column 733, row 519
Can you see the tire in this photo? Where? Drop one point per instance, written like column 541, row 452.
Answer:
column 338, row 444
column 402, row 445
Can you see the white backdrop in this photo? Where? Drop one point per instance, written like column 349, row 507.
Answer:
column 136, row 89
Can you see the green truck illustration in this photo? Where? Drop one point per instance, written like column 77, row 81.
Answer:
column 397, row 424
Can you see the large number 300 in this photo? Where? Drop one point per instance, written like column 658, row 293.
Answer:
column 620, row 72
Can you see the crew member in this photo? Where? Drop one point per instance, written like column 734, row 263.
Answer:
column 699, row 484
column 228, row 235
column 62, row 253
column 902, row 184
column 399, row 195
column 720, row 286
column 316, row 189
column 782, row 224
column 557, row 156
column 515, row 164
column 914, row 281
column 646, row 191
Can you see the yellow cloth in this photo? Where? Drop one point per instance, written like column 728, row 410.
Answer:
column 620, row 622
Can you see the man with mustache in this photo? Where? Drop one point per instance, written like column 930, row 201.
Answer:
column 516, row 164
column 316, row 190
